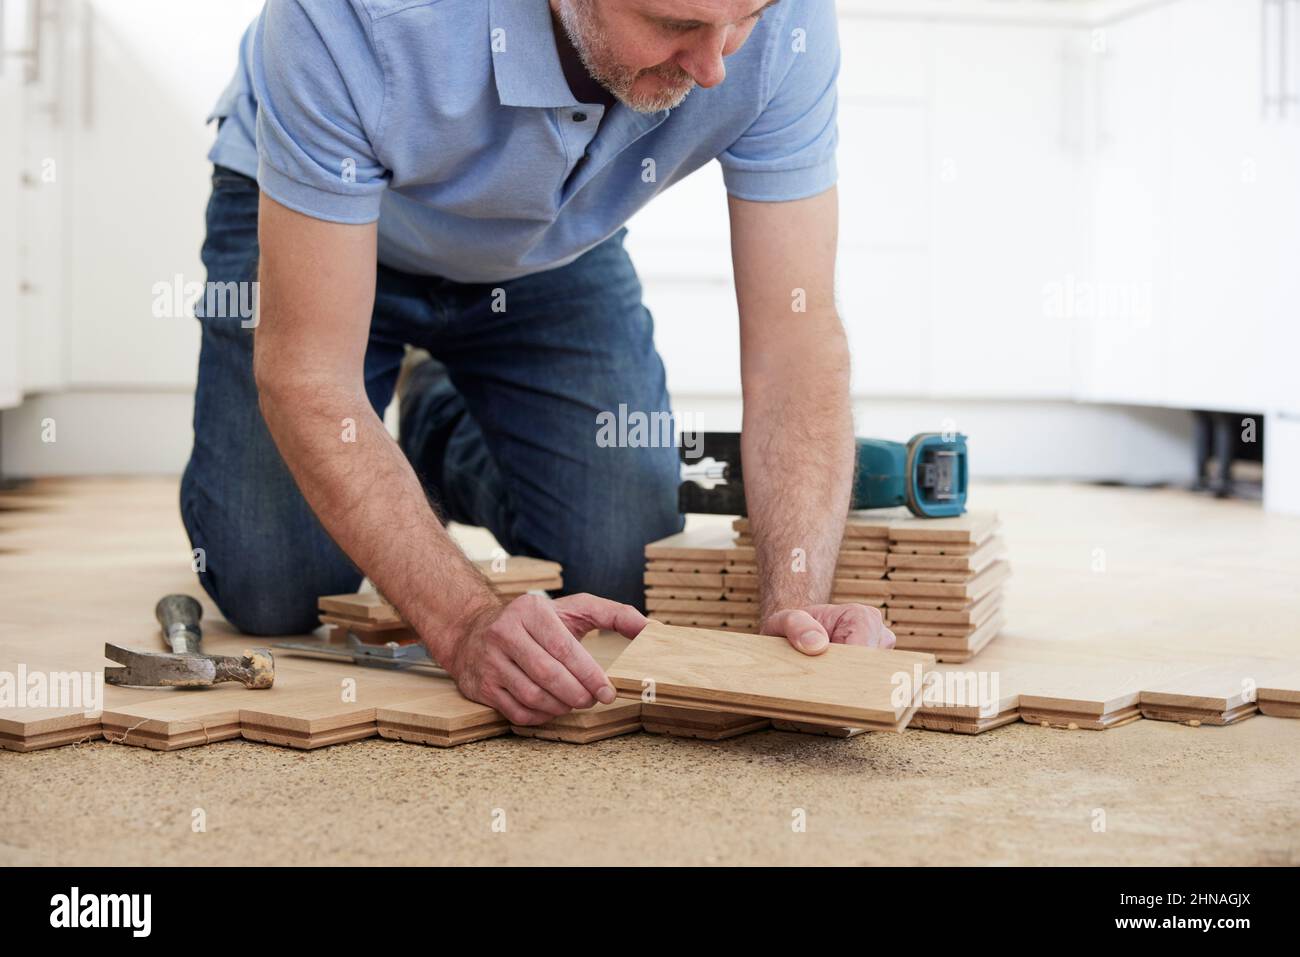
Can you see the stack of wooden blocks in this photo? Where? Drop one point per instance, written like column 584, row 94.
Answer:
column 937, row 581
column 945, row 584
column 687, row 576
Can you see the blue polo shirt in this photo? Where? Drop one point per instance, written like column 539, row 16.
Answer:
column 450, row 122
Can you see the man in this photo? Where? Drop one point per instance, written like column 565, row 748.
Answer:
column 455, row 174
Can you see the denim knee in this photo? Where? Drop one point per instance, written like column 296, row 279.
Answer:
column 256, row 605
column 261, row 590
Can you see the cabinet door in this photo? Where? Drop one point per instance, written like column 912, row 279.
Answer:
column 1011, row 209
column 1231, row 206
column 44, row 198
column 1197, row 215
column 884, row 252
column 33, row 196
column 10, row 162
column 145, row 76
column 1121, row 300
column 697, row 332
column 885, row 214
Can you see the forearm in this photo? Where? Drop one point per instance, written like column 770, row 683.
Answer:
column 797, row 446
column 360, row 485
column 797, row 441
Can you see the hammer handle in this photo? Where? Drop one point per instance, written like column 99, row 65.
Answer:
column 179, row 617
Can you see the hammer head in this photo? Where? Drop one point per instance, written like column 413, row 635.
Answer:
column 256, row 669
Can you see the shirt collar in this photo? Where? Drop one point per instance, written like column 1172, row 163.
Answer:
column 524, row 58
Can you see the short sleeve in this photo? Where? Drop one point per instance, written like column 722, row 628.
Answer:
column 319, row 86
column 788, row 152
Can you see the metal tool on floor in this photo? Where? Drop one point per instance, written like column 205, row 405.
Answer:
column 370, row 651
column 186, row 666
column 395, row 649
column 928, row 474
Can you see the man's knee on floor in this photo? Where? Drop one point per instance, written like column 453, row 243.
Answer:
column 261, row 601
column 265, row 575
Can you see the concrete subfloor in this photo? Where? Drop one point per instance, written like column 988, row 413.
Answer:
column 1146, row 793
column 1020, row 795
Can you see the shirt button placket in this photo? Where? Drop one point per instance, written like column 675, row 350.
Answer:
column 576, row 128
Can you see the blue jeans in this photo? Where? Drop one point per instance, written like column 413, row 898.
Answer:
column 521, row 456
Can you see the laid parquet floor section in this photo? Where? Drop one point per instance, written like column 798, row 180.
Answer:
column 704, row 723
column 119, row 570
column 1126, row 604
column 369, row 617
column 1280, row 695
column 1217, row 694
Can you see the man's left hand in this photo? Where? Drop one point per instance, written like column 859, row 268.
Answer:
column 812, row 629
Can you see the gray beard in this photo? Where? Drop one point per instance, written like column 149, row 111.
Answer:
column 578, row 17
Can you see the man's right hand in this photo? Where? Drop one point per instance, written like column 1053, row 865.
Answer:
column 526, row 660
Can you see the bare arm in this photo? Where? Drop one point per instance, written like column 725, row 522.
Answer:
column 316, row 296
column 797, row 438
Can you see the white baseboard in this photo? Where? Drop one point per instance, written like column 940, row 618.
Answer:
column 149, row 433
column 1020, row 439
column 97, row 433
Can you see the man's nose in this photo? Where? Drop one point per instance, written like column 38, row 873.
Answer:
column 703, row 59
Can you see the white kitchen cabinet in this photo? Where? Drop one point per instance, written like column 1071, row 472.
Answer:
column 883, row 61
column 697, row 332
column 1197, row 197
column 1010, row 213
column 33, row 195
column 107, row 181
column 885, row 182
column 1233, row 280
column 138, row 103
column 1118, row 301
column 963, row 200
column 10, row 158
column 884, row 301
column 885, row 243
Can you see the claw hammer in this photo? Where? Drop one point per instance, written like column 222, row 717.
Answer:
column 186, row 666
